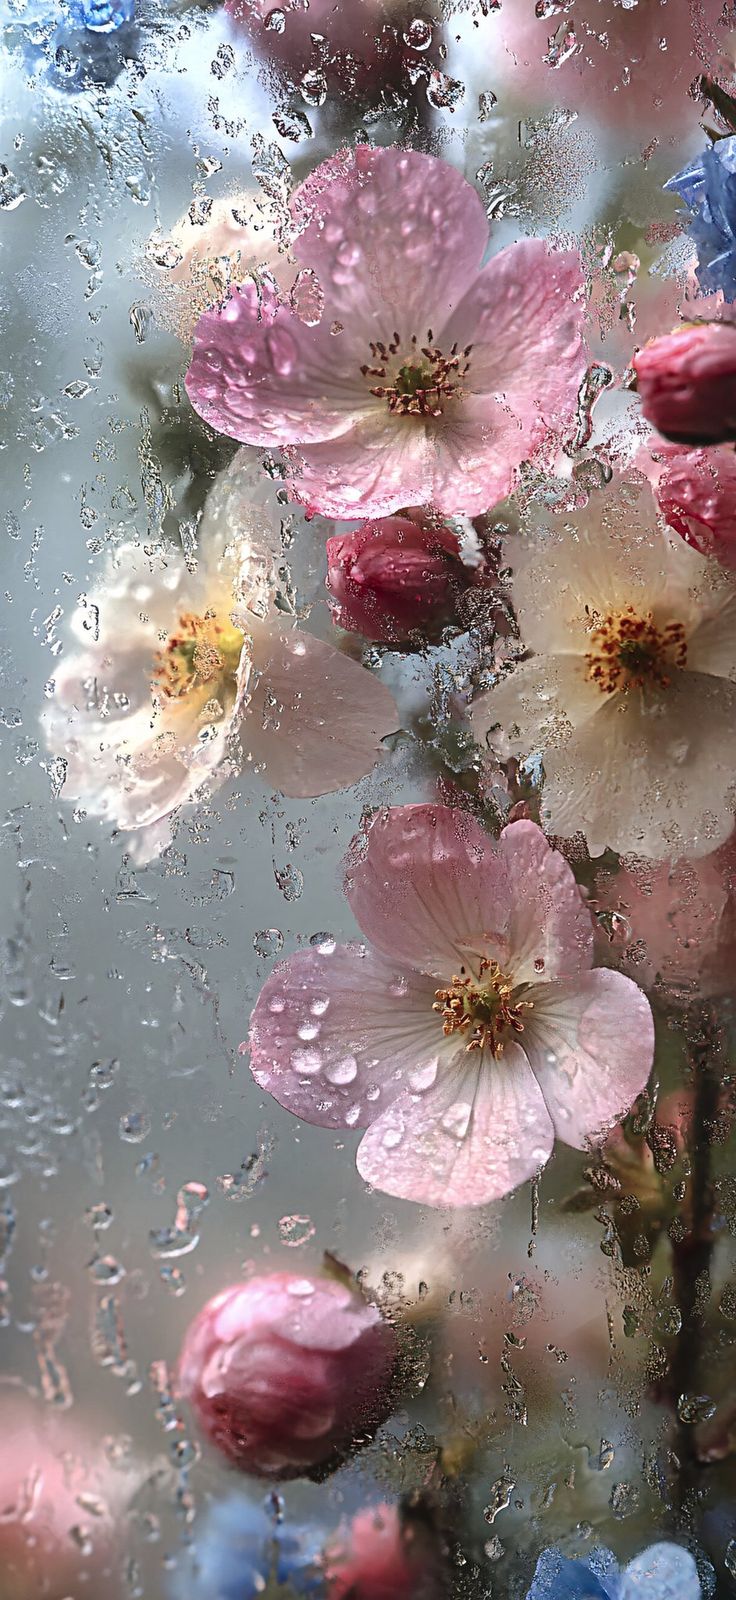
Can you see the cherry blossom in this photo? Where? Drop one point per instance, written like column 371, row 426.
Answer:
column 331, row 49
column 470, row 1030
column 428, row 377
column 384, row 1552
column 185, row 675
column 630, row 692
column 687, row 383
column 629, row 66
column 63, row 1504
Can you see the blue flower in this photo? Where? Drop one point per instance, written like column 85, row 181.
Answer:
column 708, row 187
column 241, row 1553
column 75, row 44
column 663, row 1572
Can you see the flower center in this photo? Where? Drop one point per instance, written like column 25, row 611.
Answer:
column 201, row 650
column 482, row 1011
column 417, row 382
column 629, row 651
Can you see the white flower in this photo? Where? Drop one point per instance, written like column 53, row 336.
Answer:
column 185, row 675
column 629, row 694
column 216, row 244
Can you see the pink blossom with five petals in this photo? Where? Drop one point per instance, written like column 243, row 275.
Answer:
column 428, row 377
column 471, row 1030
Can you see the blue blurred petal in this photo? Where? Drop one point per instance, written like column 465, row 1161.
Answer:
column 663, row 1572
column 240, row 1553
column 558, row 1578
column 708, row 187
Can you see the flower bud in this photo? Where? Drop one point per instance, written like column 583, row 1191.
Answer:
column 396, row 576
column 696, row 493
column 284, row 1372
column 687, row 383
column 385, row 1552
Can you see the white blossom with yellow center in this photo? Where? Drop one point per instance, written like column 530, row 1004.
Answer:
column 628, row 691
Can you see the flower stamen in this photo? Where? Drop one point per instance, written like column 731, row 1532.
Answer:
column 420, row 381
column 483, row 1012
column 630, row 651
column 200, row 650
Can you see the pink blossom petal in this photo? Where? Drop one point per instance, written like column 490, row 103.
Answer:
column 382, row 463
column 550, row 930
column 478, row 1133
column 315, row 719
column 591, row 1046
column 335, row 1037
column 524, row 317
column 428, row 887
column 390, row 233
column 261, row 375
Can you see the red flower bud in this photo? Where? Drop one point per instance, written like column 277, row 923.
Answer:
column 283, row 1372
column 396, row 576
column 687, row 383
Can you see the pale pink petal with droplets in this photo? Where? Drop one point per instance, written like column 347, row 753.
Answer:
column 382, row 229
column 590, row 1044
column 261, row 375
column 550, row 933
column 335, row 1037
column 428, row 887
column 315, row 719
column 478, row 1133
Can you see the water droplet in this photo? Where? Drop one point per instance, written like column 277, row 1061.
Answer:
column 268, row 942
column 134, row 1126
column 296, row 1230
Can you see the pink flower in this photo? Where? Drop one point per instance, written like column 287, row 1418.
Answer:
column 672, row 926
column 687, row 383
column 400, row 575
column 428, row 378
column 60, row 1504
column 385, row 1553
column 696, row 492
column 473, row 1031
column 284, row 1372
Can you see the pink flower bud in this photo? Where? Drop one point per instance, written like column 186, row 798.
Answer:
column 696, row 493
column 285, row 1372
column 386, row 1552
column 396, row 576
column 687, row 383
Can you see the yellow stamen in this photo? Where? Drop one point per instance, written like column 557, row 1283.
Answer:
column 483, row 1012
